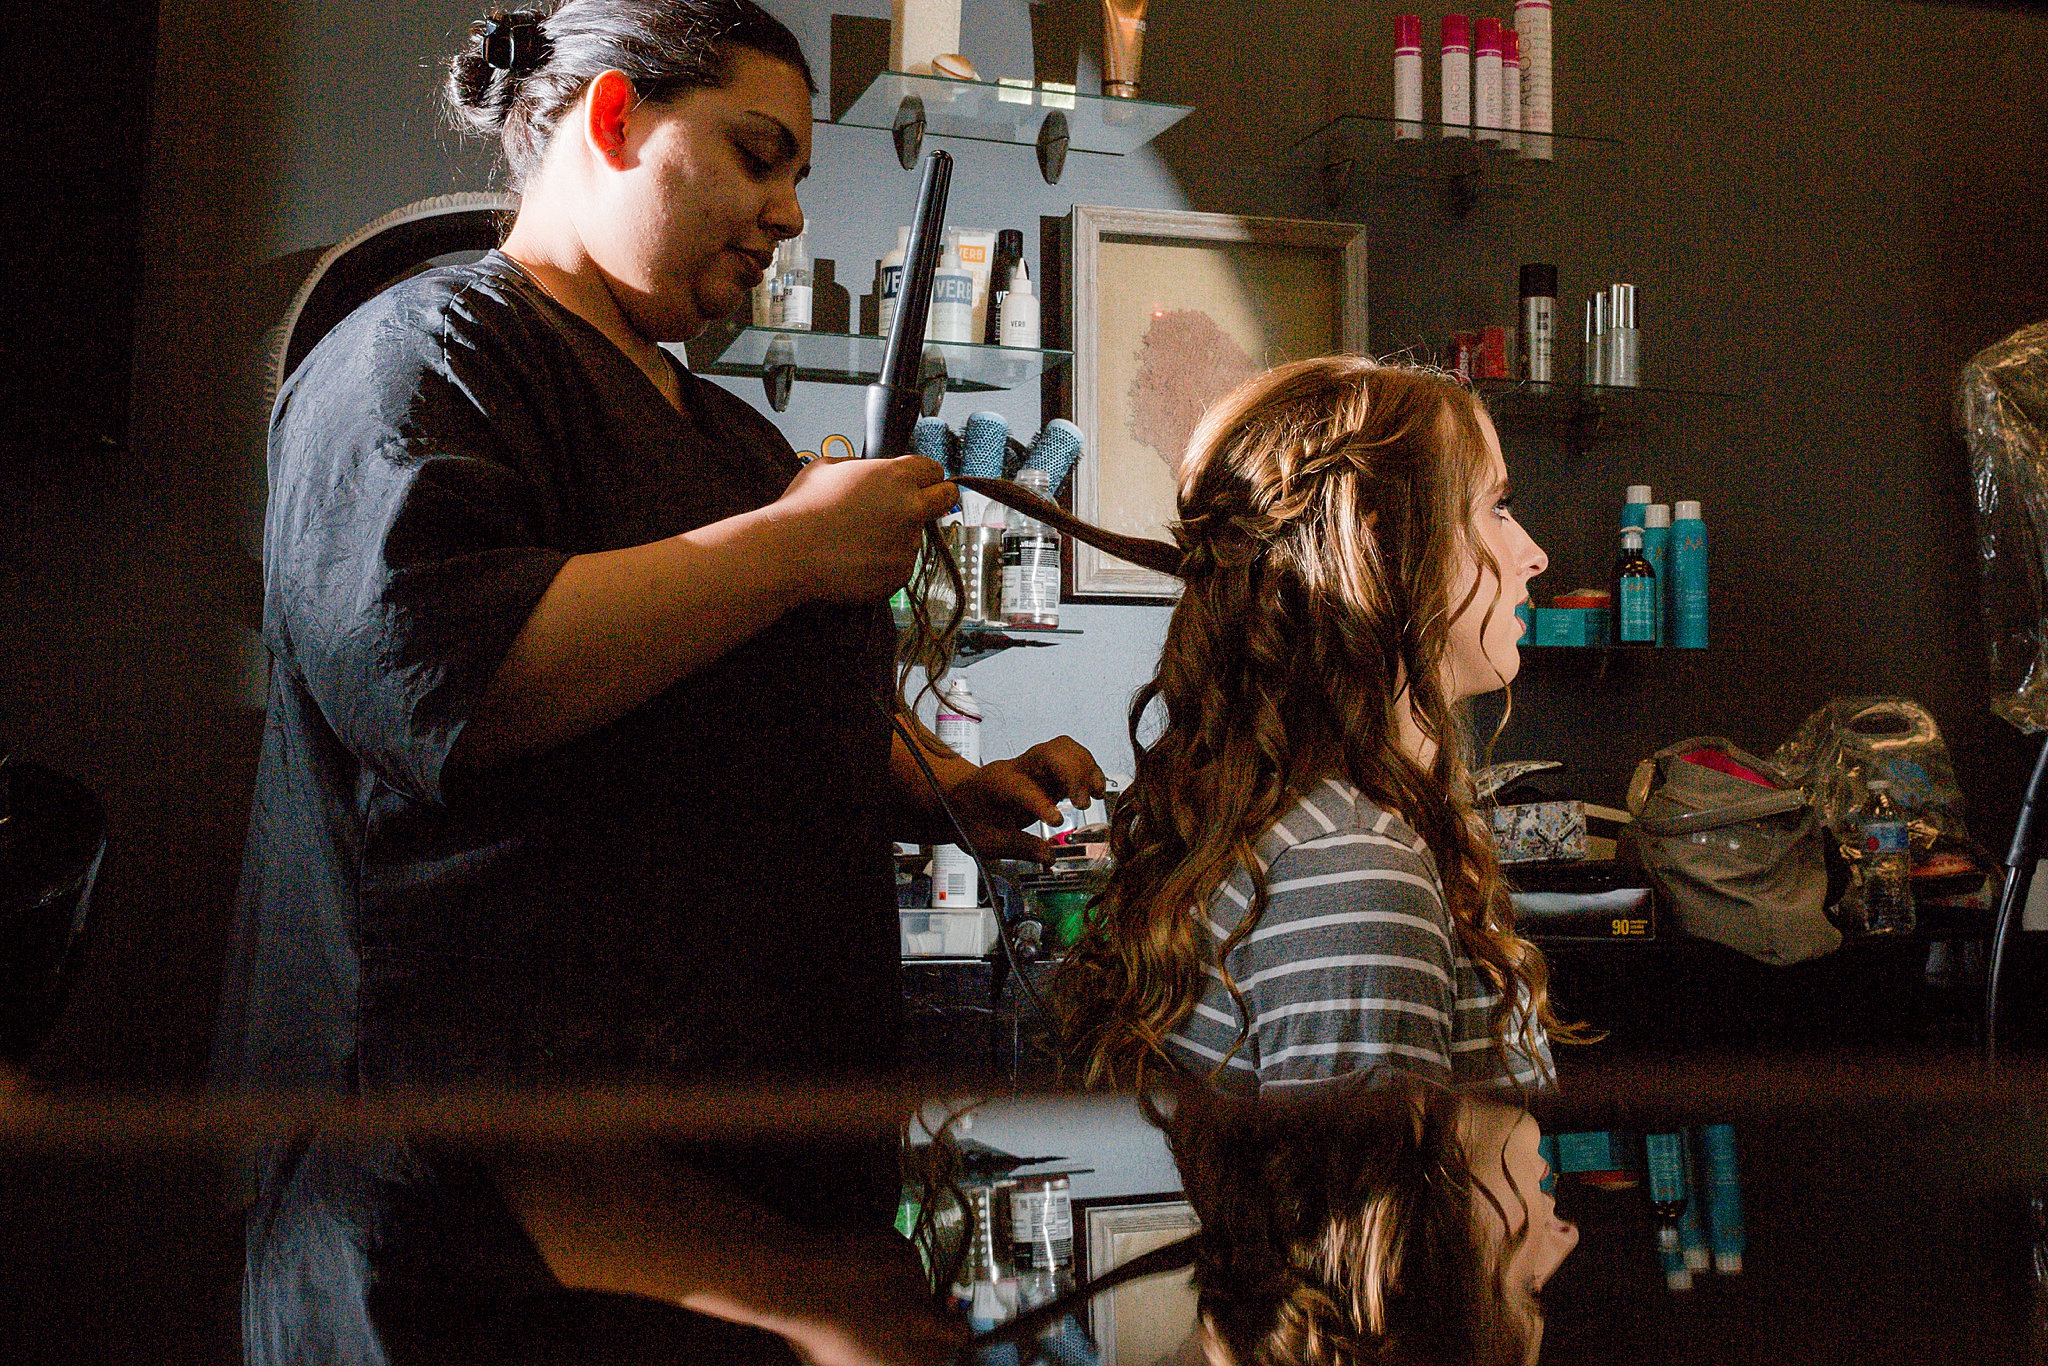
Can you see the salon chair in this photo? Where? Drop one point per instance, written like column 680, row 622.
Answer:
column 53, row 835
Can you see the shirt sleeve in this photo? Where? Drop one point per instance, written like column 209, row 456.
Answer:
column 1351, row 968
column 407, row 538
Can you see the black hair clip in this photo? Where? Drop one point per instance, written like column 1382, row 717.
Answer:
column 513, row 42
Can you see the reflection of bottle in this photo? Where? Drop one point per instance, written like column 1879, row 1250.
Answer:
column 891, row 282
column 1031, row 563
column 1723, row 1197
column 1664, row 1156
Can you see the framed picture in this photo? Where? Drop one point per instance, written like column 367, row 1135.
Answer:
column 1168, row 312
column 1147, row 1320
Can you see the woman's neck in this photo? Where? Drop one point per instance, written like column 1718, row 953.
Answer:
column 569, row 277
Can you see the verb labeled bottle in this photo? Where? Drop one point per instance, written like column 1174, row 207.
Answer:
column 1019, row 322
column 1031, row 563
column 952, row 307
column 956, row 883
column 1688, row 612
column 890, row 285
column 1635, row 592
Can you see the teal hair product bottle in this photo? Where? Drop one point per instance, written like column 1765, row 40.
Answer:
column 1724, row 1197
column 1635, row 505
column 1692, row 1223
column 1657, row 550
column 1664, row 1163
column 1635, row 592
column 1688, row 615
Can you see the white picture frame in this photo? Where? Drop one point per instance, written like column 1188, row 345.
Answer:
column 1145, row 1321
column 1166, row 307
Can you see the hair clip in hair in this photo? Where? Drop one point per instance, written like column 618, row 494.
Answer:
column 513, row 42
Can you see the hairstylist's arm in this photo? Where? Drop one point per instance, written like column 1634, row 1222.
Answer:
column 996, row 800
column 617, row 626
column 635, row 1222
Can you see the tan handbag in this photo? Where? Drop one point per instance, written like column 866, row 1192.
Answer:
column 1737, row 861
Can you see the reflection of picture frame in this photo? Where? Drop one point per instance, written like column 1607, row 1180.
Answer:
column 1169, row 311
column 1140, row 1322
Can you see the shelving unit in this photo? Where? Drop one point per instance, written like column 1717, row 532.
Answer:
column 1052, row 118
column 781, row 358
column 1353, row 148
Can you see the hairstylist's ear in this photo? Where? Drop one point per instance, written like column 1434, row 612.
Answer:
column 606, row 103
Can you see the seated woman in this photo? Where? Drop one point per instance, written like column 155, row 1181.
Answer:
column 1301, row 887
column 1339, row 1225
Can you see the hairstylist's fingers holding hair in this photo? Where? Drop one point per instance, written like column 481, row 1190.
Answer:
column 996, row 800
column 854, row 526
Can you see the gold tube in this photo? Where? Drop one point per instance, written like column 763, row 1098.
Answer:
column 1123, row 41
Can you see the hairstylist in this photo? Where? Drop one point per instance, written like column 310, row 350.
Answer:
column 579, row 762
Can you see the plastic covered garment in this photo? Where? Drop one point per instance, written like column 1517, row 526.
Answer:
column 1837, row 751
column 2003, row 408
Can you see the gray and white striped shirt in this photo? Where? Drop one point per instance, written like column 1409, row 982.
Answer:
column 1355, row 965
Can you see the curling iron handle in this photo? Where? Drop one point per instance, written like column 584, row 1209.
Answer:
column 891, row 417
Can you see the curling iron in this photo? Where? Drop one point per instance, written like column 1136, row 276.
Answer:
column 895, row 401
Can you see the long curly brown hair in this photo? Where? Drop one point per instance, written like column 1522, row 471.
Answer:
column 1325, row 516
column 1345, row 1232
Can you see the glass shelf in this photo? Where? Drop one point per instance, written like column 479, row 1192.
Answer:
column 856, row 358
column 1370, row 143
column 1013, row 112
column 1580, row 414
column 978, row 642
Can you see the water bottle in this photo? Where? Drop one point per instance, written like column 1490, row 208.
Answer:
column 1031, row 563
column 1887, row 864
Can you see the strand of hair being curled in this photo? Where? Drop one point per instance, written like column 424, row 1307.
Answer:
column 1325, row 511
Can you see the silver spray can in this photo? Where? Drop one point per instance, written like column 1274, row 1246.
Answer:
column 1539, row 322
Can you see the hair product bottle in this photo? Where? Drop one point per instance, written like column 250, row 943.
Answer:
column 1031, row 563
column 891, row 282
column 1657, row 550
column 1020, row 311
column 952, row 309
column 1539, row 321
column 956, row 884
column 1623, row 341
column 1407, row 77
column 1664, row 1157
column 1009, row 251
column 1635, row 505
column 1487, row 120
column 1532, row 24
column 1635, row 592
column 794, row 263
column 1724, row 1197
column 1456, row 56
column 1688, row 576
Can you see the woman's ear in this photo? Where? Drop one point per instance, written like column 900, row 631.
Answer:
column 607, row 102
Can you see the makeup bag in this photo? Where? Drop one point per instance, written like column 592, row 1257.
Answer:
column 1734, row 849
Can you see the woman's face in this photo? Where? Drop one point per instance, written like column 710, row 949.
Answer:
column 1482, row 653
column 1500, row 1143
column 705, row 188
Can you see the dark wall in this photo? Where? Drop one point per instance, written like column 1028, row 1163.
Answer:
column 1828, row 207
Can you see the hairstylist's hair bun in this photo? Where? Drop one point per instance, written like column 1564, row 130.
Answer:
column 480, row 94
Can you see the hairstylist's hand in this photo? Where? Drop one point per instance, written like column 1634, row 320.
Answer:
column 996, row 800
column 881, row 1312
column 855, row 525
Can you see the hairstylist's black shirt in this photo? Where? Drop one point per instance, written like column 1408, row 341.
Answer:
column 701, row 889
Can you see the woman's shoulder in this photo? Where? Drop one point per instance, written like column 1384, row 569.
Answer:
column 1335, row 818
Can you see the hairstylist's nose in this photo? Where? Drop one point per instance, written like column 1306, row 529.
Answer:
column 783, row 216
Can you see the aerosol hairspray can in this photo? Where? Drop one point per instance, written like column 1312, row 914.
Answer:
column 1539, row 322
column 1407, row 76
column 1456, row 87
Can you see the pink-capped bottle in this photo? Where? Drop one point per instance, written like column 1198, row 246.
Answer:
column 1457, row 76
column 1486, row 90
column 1407, row 77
